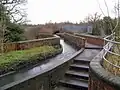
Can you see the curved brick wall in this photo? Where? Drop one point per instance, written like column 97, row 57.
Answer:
column 99, row 78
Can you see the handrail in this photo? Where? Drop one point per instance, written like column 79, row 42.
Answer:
column 106, row 39
column 111, row 40
column 110, row 62
column 102, row 74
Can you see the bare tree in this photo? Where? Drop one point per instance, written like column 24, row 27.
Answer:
column 117, row 12
column 94, row 20
column 14, row 10
column 10, row 11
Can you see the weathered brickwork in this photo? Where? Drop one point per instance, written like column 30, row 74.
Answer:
column 93, row 40
column 30, row 44
column 97, row 84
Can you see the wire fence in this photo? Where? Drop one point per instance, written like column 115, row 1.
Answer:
column 112, row 55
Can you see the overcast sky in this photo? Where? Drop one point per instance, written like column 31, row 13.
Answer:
column 42, row 11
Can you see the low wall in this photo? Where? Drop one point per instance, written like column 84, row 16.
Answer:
column 46, row 79
column 99, row 78
column 42, row 81
column 92, row 39
column 76, row 41
column 31, row 43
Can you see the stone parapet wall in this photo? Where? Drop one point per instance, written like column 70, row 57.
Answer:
column 99, row 78
column 31, row 43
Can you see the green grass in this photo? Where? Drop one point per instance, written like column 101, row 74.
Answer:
column 12, row 60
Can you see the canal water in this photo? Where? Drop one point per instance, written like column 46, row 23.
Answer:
column 22, row 74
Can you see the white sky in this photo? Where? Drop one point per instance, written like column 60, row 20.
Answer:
column 42, row 11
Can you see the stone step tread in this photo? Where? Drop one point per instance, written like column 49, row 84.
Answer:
column 93, row 47
column 65, row 88
column 83, row 60
column 75, row 82
column 81, row 73
column 80, row 66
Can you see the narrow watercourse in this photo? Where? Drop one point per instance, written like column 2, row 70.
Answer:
column 6, row 81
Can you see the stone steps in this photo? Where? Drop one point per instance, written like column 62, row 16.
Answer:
column 76, row 78
column 76, row 74
column 81, row 61
column 75, row 83
column 93, row 47
column 79, row 67
column 65, row 88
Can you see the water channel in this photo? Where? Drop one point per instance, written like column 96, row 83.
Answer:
column 26, row 73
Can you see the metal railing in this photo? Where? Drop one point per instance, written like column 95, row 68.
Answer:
column 112, row 55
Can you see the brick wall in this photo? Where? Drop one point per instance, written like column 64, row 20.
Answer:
column 30, row 44
column 93, row 39
column 97, row 84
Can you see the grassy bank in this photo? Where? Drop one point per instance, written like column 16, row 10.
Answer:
column 16, row 60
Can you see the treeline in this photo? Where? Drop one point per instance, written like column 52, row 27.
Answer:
column 105, row 25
